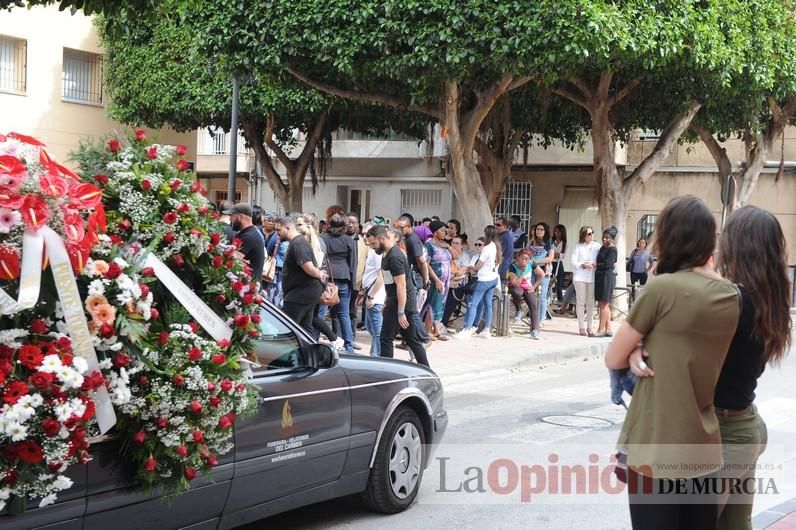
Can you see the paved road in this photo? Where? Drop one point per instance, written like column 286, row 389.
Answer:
column 526, row 415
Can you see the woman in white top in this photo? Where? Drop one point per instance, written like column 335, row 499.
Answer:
column 584, row 261
column 487, row 270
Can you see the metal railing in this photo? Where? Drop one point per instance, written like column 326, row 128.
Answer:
column 82, row 77
column 13, row 64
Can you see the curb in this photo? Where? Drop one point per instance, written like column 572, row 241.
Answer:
column 770, row 517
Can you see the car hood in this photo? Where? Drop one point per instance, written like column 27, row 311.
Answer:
column 361, row 369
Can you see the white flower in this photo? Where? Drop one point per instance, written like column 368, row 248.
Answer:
column 96, row 288
column 105, row 364
column 89, row 269
column 62, row 483
column 9, row 337
column 5, row 493
column 17, row 432
column 51, row 364
column 80, row 364
column 49, row 499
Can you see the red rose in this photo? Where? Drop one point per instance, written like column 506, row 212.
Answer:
column 143, row 380
column 203, row 210
column 181, row 150
column 195, row 232
column 211, row 387
column 102, row 180
column 161, row 423
column 221, row 299
column 212, row 461
column 194, row 354
column 31, row 452
column 114, row 271
column 258, row 299
column 189, row 473
column 146, row 185
column 184, row 207
column 107, row 331
column 30, row 356
column 41, row 380
column 182, row 165
column 154, row 313
column 54, row 467
column 217, row 261
column 253, row 332
column 116, row 240
column 93, row 381
column 182, row 451
column 241, row 321
column 163, row 338
column 114, row 146
column 64, row 344
column 148, row 272
column 230, row 264
column 198, row 437
column 121, row 359
column 194, row 326
column 150, row 465
column 236, row 242
column 214, row 401
column 34, row 210
column 237, row 286
column 144, row 289
column 170, row 218
column 223, row 344
column 14, row 391
column 125, row 225
column 197, row 188
column 140, row 135
column 196, row 407
column 218, row 358
column 178, row 380
column 224, row 422
column 256, row 318
column 226, row 385
column 139, row 438
column 248, row 299
column 152, row 153
column 179, row 260
column 51, row 427
column 38, row 326
column 215, row 238
column 10, row 477
column 174, row 184
column 90, row 410
column 169, row 237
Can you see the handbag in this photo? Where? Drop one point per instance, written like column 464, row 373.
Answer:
column 469, row 287
column 330, row 295
column 629, row 262
column 269, row 266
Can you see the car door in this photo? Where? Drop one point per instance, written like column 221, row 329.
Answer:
column 300, row 434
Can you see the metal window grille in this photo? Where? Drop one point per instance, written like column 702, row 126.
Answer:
column 82, row 76
column 516, row 200
column 421, row 203
column 390, row 135
column 222, row 196
column 646, row 225
column 13, row 64
column 220, row 142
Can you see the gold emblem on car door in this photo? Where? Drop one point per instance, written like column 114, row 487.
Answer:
column 287, row 417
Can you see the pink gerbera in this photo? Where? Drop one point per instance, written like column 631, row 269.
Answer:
column 8, row 219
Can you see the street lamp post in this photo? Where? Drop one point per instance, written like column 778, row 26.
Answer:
column 233, row 142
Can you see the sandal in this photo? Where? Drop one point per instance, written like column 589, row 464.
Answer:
column 590, row 333
column 583, row 333
column 442, row 337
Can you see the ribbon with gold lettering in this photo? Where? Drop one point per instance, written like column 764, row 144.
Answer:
column 30, row 277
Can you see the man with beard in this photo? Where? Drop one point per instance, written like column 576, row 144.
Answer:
column 302, row 280
column 252, row 247
column 400, row 306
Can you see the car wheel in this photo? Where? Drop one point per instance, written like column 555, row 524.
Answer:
column 398, row 469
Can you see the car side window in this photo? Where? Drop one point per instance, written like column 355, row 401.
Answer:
column 277, row 347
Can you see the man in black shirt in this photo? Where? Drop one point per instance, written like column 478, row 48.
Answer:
column 302, row 280
column 400, row 307
column 419, row 266
column 252, row 246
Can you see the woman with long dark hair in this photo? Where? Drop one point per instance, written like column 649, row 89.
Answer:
column 605, row 281
column 542, row 249
column 486, row 269
column 341, row 254
column 686, row 318
column 559, row 253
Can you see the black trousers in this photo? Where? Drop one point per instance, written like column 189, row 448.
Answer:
column 641, row 277
column 453, row 303
column 352, row 312
column 655, row 515
column 302, row 313
column 390, row 327
column 320, row 326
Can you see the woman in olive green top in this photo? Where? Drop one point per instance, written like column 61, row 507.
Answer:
column 686, row 319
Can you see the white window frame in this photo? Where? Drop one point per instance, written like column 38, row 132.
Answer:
column 83, row 70
column 13, row 65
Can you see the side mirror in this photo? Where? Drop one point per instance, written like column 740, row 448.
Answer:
column 319, row 355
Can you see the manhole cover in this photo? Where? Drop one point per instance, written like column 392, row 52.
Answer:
column 578, row 422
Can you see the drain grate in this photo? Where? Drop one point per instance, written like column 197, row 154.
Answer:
column 577, row 422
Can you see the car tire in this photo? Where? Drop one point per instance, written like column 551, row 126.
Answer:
column 398, row 469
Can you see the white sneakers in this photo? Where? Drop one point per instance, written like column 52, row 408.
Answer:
column 465, row 333
column 485, row 334
column 517, row 316
column 535, row 334
column 339, row 344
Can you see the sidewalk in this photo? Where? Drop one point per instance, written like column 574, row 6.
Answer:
column 457, row 360
column 781, row 517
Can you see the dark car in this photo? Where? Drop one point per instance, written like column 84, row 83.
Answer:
column 327, row 426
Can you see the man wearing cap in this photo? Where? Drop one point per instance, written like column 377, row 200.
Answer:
column 251, row 247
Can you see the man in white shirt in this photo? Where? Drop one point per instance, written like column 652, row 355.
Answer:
column 374, row 295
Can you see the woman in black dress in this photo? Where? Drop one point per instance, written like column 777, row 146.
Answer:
column 605, row 281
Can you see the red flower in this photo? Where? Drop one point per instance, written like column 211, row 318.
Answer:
column 182, row 165
column 148, row 272
column 144, row 289
column 114, row 145
column 150, row 465
column 197, row 188
column 161, row 423
column 226, row 385
column 230, row 263
column 169, row 238
column 10, row 477
column 252, row 333
column 34, row 210
column 31, row 452
column 30, row 356
column 236, row 242
column 211, row 387
column 79, row 252
column 214, row 401
column 116, row 240
column 194, row 354
column 182, row 451
column 170, row 218
column 102, row 180
column 114, row 271
column 195, row 232
column 53, row 185
column 84, row 196
column 152, row 153
column 241, row 321
column 179, row 260
column 74, row 227
column 258, row 299
column 215, row 238
column 14, row 391
column 189, row 473
column 38, row 326
column 196, row 407
column 178, row 380
column 203, row 210
column 139, row 438
column 183, row 208
column 140, row 135
column 41, row 380
column 154, row 313
column 194, row 326
column 51, row 427
column 93, row 381
column 224, row 422
column 125, row 225
column 121, row 360
column 54, row 466
column 143, row 380
column 90, row 409
column 217, row 261
column 220, row 298
column 212, row 461
column 223, row 344
column 163, row 338
column 9, row 263
column 218, row 358
column 107, row 331
column 146, row 185
column 256, row 318
column 198, row 437
column 181, row 150
column 248, row 299
column 174, row 184
column 237, row 286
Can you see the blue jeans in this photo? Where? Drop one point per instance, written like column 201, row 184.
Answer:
column 342, row 312
column 543, row 299
column 483, row 293
column 373, row 321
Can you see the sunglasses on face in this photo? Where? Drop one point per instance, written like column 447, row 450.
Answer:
column 479, row 244
column 589, row 233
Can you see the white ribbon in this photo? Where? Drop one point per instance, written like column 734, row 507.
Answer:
column 30, row 279
column 206, row 317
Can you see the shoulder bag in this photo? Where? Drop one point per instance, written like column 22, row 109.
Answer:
column 330, row 295
column 269, row 266
column 629, row 262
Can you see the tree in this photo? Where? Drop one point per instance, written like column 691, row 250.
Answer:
column 88, row 7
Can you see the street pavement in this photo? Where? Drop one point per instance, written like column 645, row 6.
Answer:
column 536, row 402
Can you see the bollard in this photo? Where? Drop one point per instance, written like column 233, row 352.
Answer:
column 501, row 307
